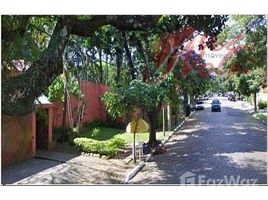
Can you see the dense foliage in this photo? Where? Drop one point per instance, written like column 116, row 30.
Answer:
column 104, row 48
column 245, row 72
column 56, row 89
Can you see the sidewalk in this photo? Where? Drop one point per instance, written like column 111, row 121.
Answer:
column 250, row 108
column 51, row 167
column 62, row 168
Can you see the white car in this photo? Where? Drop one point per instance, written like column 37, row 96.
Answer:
column 199, row 105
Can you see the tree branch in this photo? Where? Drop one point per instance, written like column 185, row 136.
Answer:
column 19, row 93
column 10, row 35
column 122, row 22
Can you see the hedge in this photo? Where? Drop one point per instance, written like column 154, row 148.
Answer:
column 108, row 148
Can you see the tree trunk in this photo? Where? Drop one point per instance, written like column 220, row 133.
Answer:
column 152, row 116
column 118, row 64
column 101, row 68
column 141, row 51
column 185, row 100
column 176, row 117
column 255, row 102
column 152, row 121
column 128, row 55
column 107, row 69
column 64, row 111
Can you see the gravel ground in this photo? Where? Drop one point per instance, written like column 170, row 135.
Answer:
column 228, row 147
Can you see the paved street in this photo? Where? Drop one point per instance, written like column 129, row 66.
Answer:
column 212, row 147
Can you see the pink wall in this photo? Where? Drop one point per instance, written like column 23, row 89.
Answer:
column 94, row 110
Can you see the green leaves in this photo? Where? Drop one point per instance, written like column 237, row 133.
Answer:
column 115, row 103
column 56, row 89
column 147, row 96
column 109, row 148
column 25, row 37
column 39, row 42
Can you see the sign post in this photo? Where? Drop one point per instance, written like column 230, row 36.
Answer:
column 134, row 148
column 137, row 125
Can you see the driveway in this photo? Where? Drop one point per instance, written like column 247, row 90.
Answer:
column 61, row 168
column 228, row 147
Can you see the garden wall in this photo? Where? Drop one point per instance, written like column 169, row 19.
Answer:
column 16, row 139
column 94, row 109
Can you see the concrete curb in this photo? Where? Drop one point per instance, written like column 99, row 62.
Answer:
column 132, row 173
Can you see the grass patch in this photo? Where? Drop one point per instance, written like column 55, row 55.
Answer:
column 261, row 116
column 109, row 141
column 262, row 104
column 101, row 133
column 141, row 137
column 106, row 133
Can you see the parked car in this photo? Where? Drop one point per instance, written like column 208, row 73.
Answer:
column 206, row 97
column 231, row 97
column 199, row 105
column 216, row 105
column 241, row 98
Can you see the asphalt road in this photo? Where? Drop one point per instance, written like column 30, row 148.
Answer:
column 227, row 147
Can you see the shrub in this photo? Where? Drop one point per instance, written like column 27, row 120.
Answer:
column 262, row 104
column 110, row 123
column 57, row 134
column 109, row 148
column 93, row 124
column 96, row 132
column 116, row 142
column 262, row 117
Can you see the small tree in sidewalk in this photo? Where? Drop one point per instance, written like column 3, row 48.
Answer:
column 147, row 96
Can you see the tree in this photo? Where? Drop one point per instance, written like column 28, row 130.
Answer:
column 246, row 71
column 18, row 93
column 147, row 96
column 250, row 84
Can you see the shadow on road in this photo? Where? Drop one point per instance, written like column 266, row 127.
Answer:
column 23, row 169
column 214, row 145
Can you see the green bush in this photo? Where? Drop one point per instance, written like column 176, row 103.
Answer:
column 59, row 137
column 116, row 143
column 96, row 132
column 110, row 123
column 262, row 117
column 108, row 148
column 93, row 124
column 262, row 104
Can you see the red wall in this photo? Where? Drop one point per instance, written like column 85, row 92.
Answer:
column 94, row 110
